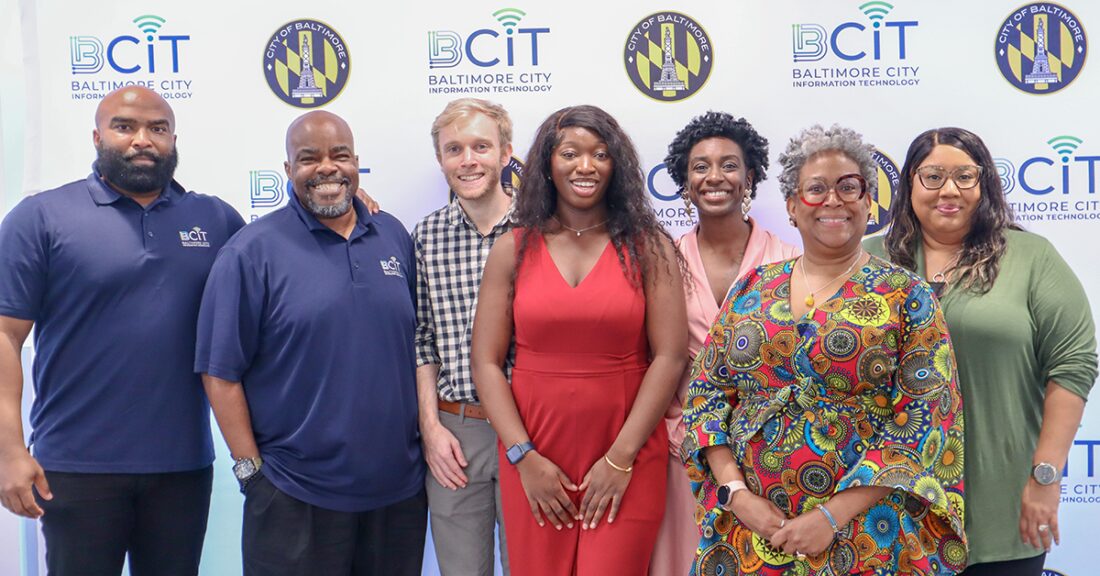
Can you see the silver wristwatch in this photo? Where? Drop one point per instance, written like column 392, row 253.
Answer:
column 245, row 469
column 1044, row 473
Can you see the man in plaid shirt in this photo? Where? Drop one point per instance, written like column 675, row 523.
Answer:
column 473, row 143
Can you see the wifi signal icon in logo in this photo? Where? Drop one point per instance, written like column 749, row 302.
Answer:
column 509, row 18
column 876, row 11
column 1065, row 146
column 149, row 25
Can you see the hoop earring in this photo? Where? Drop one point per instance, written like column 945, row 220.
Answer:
column 746, row 205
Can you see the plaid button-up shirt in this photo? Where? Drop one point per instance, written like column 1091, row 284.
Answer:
column 450, row 257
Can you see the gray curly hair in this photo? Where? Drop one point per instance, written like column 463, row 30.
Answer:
column 816, row 139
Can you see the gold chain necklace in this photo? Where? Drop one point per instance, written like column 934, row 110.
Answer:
column 593, row 227
column 806, row 279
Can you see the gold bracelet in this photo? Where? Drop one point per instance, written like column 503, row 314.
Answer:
column 627, row 470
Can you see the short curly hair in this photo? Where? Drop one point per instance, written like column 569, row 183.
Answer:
column 718, row 125
column 817, row 139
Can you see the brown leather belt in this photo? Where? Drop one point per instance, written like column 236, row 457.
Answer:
column 463, row 409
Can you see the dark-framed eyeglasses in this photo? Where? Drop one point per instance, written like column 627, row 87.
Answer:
column 964, row 177
column 849, row 188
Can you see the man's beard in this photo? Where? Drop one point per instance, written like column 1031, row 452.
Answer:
column 118, row 168
column 491, row 183
column 328, row 210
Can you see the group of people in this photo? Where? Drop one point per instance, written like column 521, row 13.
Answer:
column 602, row 396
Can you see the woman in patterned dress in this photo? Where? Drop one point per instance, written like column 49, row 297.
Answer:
column 826, row 421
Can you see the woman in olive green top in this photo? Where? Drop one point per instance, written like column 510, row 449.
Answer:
column 1023, row 335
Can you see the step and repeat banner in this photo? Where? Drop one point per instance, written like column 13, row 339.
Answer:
column 236, row 74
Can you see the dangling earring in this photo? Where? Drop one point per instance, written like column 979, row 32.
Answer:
column 687, row 202
column 746, row 205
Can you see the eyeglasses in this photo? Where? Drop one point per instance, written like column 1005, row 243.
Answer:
column 849, row 188
column 964, row 177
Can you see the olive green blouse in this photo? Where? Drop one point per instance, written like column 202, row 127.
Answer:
column 1033, row 326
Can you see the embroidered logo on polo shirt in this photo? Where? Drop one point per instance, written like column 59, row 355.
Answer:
column 193, row 238
column 392, row 267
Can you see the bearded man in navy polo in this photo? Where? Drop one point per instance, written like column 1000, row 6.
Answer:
column 110, row 271
column 305, row 343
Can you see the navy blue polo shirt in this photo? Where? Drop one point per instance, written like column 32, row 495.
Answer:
column 113, row 290
column 319, row 331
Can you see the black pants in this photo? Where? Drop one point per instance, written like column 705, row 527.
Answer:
column 283, row 536
column 1022, row 567
column 94, row 520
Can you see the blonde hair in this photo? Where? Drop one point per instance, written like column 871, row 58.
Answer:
column 464, row 107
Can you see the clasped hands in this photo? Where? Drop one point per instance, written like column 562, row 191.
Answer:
column 547, row 488
column 808, row 534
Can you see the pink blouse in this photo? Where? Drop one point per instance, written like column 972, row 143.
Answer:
column 763, row 247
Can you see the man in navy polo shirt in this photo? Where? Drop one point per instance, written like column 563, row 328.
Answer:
column 110, row 271
column 305, row 342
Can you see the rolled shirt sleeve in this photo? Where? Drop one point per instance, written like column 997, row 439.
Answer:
column 1065, row 333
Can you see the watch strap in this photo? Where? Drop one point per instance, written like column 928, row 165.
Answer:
column 518, row 451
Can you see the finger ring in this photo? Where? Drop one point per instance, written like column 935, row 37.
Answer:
column 1043, row 527
column 799, row 555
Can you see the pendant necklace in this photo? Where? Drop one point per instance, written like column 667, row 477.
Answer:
column 806, row 279
column 581, row 230
column 939, row 279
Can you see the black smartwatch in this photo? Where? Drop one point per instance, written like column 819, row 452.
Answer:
column 726, row 492
column 518, row 451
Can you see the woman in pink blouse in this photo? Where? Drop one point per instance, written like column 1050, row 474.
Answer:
column 717, row 161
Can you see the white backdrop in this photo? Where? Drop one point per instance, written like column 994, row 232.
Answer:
column 889, row 70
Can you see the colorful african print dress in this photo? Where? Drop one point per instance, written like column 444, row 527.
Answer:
column 861, row 391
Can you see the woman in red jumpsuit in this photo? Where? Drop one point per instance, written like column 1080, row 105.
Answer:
column 590, row 288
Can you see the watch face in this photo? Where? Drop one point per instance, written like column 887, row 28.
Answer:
column 244, row 469
column 724, row 496
column 1044, row 473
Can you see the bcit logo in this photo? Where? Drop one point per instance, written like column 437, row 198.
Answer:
column 889, row 178
column 268, row 190
column 306, row 63
column 502, row 59
column 194, row 238
column 668, row 56
column 1055, row 186
column 143, row 56
column 1041, row 48
column 1049, row 572
column 392, row 267
column 866, row 53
